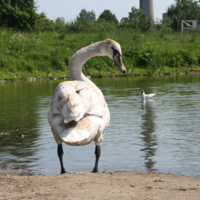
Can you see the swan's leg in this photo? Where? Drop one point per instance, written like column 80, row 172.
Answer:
column 60, row 155
column 97, row 153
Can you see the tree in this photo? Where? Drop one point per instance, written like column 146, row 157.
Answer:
column 60, row 24
column 183, row 10
column 108, row 16
column 132, row 20
column 134, row 14
column 18, row 14
column 136, row 19
column 83, row 22
column 60, row 21
column 86, row 15
column 42, row 23
column 145, row 23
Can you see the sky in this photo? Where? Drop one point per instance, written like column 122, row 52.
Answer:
column 70, row 9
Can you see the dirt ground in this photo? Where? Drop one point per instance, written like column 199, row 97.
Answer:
column 103, row 186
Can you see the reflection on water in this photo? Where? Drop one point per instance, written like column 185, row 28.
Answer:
column 20, row 114
column 160, row 134
column 148, row 127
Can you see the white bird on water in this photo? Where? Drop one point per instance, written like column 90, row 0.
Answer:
column 79, row 113
column 146, row 96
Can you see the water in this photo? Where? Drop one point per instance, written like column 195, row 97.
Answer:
column 161, row 135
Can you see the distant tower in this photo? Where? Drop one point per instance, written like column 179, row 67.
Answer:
column 147, row 7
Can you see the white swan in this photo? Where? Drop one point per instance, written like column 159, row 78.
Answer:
column 79, row 114
column 146, row 96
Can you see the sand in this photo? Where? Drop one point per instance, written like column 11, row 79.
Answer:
column 124, row 185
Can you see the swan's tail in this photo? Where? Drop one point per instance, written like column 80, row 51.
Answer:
column 86, row 130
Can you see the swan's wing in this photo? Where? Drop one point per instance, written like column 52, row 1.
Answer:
column 92, row 99
column 75, row 99
column 67, row 102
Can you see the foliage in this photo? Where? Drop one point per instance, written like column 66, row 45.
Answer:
column 18, row 14
column 59, row 24
column 136, row 19
column 42, row 23
column 134, row 14
column 183, row 10
column 145, row 22
column 108, row 16
column 47, row 54
column 165, row 23
column 86, row 15
column 87, row 26
column 80, row 26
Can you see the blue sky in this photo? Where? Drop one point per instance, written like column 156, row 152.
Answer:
column 69, row 9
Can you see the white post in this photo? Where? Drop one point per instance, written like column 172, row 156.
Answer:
column 181, row 26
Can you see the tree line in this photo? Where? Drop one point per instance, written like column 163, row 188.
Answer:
column 21, row 15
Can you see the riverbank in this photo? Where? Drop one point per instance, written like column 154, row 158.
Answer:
column 46, row 55
column 116, row 185
column 55, row 76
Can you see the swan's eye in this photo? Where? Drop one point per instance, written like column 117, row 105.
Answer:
column 115, row 52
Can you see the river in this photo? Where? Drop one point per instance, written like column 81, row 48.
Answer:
column 161, row 134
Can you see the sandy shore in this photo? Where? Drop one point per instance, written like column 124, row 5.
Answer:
column 103, row 186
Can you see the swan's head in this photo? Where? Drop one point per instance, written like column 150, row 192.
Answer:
column 113, row 50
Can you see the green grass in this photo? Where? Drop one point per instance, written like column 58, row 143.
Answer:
column 44, row 55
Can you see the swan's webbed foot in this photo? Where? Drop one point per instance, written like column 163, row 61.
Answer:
column 97, row 153
column 63, row 171
column 95, row 170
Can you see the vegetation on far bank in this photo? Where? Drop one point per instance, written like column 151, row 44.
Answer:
column 46, row 54
column 31, row 45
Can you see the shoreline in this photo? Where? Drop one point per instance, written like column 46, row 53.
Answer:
column 126, row 185
column 181, row 72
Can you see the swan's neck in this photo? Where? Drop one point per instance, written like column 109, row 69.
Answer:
column 80, row 58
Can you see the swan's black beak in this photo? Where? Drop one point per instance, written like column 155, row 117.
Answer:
column 118, row 61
